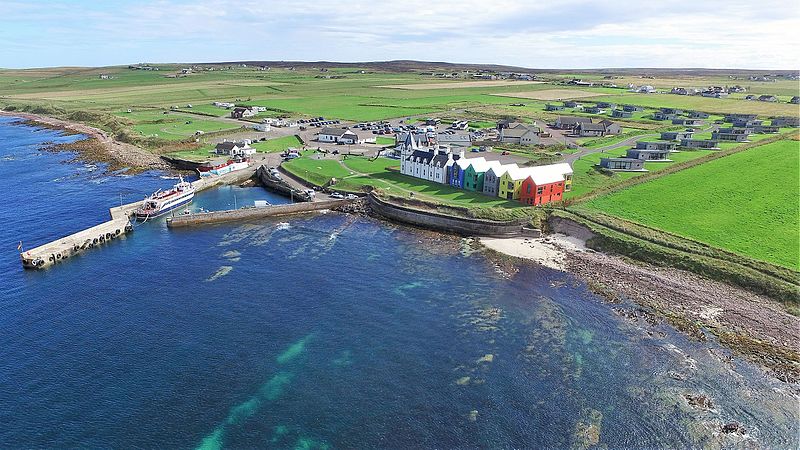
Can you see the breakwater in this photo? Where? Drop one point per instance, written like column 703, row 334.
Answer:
column 233, row 215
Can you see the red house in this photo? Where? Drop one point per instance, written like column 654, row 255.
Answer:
column 542, row 187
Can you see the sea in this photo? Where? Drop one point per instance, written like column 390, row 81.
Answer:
column 328, row 331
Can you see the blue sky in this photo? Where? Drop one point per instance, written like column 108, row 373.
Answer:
column 760, row 34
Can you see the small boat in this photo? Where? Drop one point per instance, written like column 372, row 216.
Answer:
column 162, row 202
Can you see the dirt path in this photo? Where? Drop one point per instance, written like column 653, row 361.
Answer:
column 117, row 153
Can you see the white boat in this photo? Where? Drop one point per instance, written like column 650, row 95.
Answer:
column 222, row 167
column 162, row 202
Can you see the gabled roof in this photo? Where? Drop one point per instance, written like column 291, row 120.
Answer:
column 463, row 163
column 573, row 119
column 228, row 145
column 592, row 126
column 425, row 155
column 332, row 131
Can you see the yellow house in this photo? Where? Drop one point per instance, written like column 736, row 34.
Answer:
column 511, row 182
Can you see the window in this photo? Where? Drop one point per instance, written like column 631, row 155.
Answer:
column 539, row 190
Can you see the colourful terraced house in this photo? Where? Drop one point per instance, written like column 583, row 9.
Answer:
column 457, row 170
column 511, row 182
column 475, row 173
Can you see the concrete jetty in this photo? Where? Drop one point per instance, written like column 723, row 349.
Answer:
column 232, row 215
column 120, row 224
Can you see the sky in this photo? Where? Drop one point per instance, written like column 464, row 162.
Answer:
column 762, row 34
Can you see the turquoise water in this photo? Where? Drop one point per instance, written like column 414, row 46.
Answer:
column 327, row 331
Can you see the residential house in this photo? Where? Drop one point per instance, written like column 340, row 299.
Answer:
column 764, row 129
column 542, row 186
column 474, row 174
column 785, row 122
column 676, row 135
column 491, row 179
column 458, row 170
column 632, row 108
column 519, row 133
column 240, row 112
column 511, row 182
column 655, row 145
column 747, row 123
column 648, row 155
column 590, row 129
column 230, row 148
column 611, row 127
column 571, row 104
column 570, row 122
column 593, row 110
column 661, row 115
column 510, row 186
column 767, row 98
column 731, row 134
column 698, row 115
column 345, row 136
column 687, row 122
column 700, row 143
column 551, row 107
column 623, row 164
column 621, row 114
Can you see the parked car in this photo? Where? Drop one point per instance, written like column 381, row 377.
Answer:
column 337, row 195
column 351, row 196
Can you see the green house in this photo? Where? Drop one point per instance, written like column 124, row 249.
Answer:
column 475, row 173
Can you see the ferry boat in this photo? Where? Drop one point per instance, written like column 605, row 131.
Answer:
column 162, row 202
column 222, row 167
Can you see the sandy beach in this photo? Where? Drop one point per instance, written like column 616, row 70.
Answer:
column 549, row 251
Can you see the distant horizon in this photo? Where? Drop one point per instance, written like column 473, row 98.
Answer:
column 716, row 34
column 421, row 62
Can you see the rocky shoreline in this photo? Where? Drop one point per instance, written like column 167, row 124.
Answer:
column 755, row 327
column 98, row 147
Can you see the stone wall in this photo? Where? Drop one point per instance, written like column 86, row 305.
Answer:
column 443, row 222
column 251, row 213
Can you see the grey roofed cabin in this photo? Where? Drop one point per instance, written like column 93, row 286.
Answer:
column 699, row 143
column 661, row 115
column 590, row 129
column 623, row 164
column 619, row 113
column 655, row 145
column 785, row 121
column 698, row 115
column 551, row 107
column 606, row 105
column 648, row 155
column 676, row 135
column 632, row 108
column 687, row 122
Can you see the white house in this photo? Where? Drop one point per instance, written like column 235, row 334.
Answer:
column 230, row 148
column 328, row 134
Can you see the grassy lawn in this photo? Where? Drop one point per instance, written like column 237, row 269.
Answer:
column 604, row 141
column 375, row 172
column 746, row 202
column 706, row 104
column 586, row 178
column 277, row 145
column 381, row 140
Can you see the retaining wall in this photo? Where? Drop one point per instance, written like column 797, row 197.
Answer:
column 251, row 213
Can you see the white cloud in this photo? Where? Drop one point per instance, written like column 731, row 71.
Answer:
column 566, row 34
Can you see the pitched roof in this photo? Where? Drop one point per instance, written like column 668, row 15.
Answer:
column 332, row 131
column 574, row 120
column 519, row 130
column 425, row 155
column 592, row 126
column 228, row 145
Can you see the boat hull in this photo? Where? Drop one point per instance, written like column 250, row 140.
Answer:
column 145, row 216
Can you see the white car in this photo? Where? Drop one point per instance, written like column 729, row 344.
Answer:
column 337, row 195
column 351, row 196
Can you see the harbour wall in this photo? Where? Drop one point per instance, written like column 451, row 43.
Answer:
column 252, row 213
column 450, row 224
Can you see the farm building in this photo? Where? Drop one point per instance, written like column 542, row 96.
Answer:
column 621, row 114
column 698, row 115
column 655, row 145
column 328, row 134
column 551, row 107
column 241, row 112
column 570, row 122
column 785, row 122
column 676, row 135
column 519, row 133
column 648, row 155
column 623, row 164
column 687, row 122
column 699, row 143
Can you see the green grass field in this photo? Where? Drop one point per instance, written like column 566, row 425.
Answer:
column 277, row 145
column 746, row 203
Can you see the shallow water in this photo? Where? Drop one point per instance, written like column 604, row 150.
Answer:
column 326, row 331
